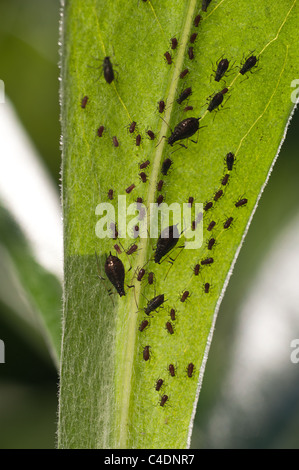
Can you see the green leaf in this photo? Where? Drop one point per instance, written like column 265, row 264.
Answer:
column 31, row 293
column 107, row 395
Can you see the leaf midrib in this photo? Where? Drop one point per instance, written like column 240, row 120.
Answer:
column 129, row 347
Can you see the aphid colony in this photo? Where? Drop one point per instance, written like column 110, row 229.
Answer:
column 166, row 243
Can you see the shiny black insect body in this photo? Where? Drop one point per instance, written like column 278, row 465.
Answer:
column 196, row 269
column 185, row 296
column 84, row 102
column 207, row 287
column 228, row 222
column 174, row 43
column 211, row 243
column 190, row 369
column 169, row 327
column 184, row 129
column 140, row 274
column 159, row 384
column 193, row 38
column 165, row 166
column 222, row 67
column 154, row 304
column 100, row 131
column 184, row 95
column 115, row 272
column 249, row 64
column 166, row 241
column 218, row 195
column 230, row 158
column 211, row 225
column 205, row 4
column 146, row 353
column 225, row 179
column 184, row 73
column 151, row 134
column 108, row 70
column 150, row 278
column 217, row 99
column 132, row 127
column 160, row 199
column 172, row 314
column 115, row 141
column 163, row 400
column 191, row 53
column 208, row 206
column 241, row 202
column 161, row 106
column 144, row 164
column 160, row 185
column 171, row 369
column 143, row 325
column 130, row 188
column 207, row 261
column 197, row 20
column 168, row 58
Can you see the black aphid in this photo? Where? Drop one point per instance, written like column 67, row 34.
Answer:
column 172, row 314
column 241, row 202
column 222, row 67
column 161, row 106
column 249, row 63
column 190, row 369
column 185, row 295
column 163, row 400
column 146, row 353
column 191, row 53
column 184, row 130
column 196, row 269
column 184, row 73
column 217, row 99
column 230, row 158
column 174, row 43
column 207, row 261
column 100, row 131
column 205, row 4
column 151, row 134
column 168, row 58
column 193, row 38
column 197, row 20
column 166, row 241
column 115, row 272
column 150, row 278
column 144, row 164
column 211, row 225
column 165, row 166
column 143, row 325
column 169, row 327
column 154, row 303
column 184, row 95
column 140, row 274
column 225, row 179
column 84, row 102
column 159, row 384
column 108, row 70
column 211, row 243
column 132, row 127
column 228, row 222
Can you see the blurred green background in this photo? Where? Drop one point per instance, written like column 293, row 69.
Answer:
column 28, row 380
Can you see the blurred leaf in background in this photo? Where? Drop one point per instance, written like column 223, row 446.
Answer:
column 28, row 379
column 29, row 70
